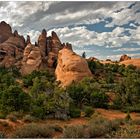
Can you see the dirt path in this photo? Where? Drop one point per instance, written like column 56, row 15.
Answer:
column 114, row 114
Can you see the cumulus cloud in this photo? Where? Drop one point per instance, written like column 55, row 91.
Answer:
column 70, row 21
column 81, row 36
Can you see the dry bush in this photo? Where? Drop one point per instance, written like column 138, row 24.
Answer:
column 74, row 131
column 129, row 131
column 29, row 118
column 33, row 131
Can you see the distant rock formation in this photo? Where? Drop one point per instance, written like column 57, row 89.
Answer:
column 5, row 31
column 134, row 61
column 92, row 59
column 71, row 67
column 124, row 57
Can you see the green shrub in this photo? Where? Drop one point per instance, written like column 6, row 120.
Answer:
column 75, row 112
column 128, row 117
column 88, row 111
column 33, row 131
column 12, row 117
column 2, row 135
column 74, row 131
column 99, row 99
column 2, row 116
column 14, row 99
column 38, row 112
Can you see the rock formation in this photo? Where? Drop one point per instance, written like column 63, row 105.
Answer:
column 124, row 57
column 5, row 31
column 42, row 42
column 71, row 67
column 92, row 59
column 134, row 61
column 12, row 50
column 32, row 59
column 28, row 41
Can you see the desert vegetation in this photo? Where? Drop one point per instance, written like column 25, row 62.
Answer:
column 37, row 96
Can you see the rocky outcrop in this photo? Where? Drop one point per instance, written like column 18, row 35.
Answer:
column 11, row 51
column 71, row 67
column 134, row 61
column 32, row 59
column 54, row 43
column 42, row 42
column 5, row 31
column 52, row 59
column 124, row 57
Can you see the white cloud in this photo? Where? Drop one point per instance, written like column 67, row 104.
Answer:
column 81, row 36
column 127, row 49
column 132, row 25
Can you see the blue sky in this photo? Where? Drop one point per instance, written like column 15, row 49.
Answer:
column 101, row 29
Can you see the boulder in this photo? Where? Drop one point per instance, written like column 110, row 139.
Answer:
column 32, row 59
column 5, row 31
column 124, row 57
column 71, row 67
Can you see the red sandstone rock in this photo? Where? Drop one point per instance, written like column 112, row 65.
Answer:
column 71, row 67
column 124, row 57
column 5, row 31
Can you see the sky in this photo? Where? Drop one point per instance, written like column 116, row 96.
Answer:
column 104, row 30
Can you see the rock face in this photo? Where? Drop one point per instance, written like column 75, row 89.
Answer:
column 11, row 51
column 5, row 31
column 14, row 50
column 32, row 59
column 42, row 42
column 124, row 57
column 71, row 67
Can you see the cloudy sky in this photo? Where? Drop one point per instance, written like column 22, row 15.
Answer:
column 101, row 29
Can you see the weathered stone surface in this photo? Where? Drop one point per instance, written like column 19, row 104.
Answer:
column 52, row 59
column 42, row 42
column 55, row 43
column 28, row 40
column 124, row 57
column 71, row 67
column 5, row 31
column 32, row 59
column 13, row 49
